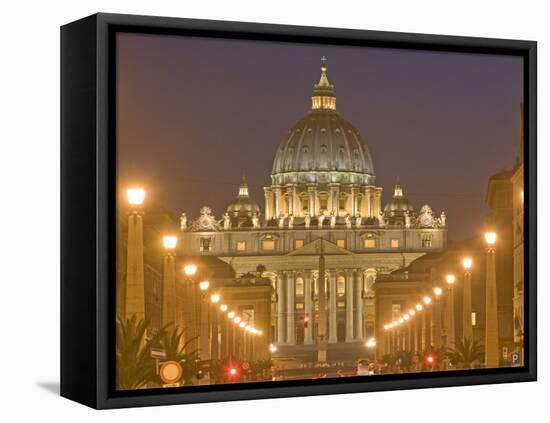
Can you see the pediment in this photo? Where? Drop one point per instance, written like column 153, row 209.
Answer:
column 314, row 249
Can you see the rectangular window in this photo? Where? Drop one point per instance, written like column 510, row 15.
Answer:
column 395, row 311
column 394, row 243
column 298, row 243
column 268, row 245
column 241, row 245
column 299, row 306
column 341, row 243
column 341, row 304
column 368, row 243
column 473, row 318
column 427, row 242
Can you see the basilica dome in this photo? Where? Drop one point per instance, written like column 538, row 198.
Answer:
column 323, row 146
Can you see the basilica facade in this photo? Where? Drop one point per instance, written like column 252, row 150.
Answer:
column 323, row 200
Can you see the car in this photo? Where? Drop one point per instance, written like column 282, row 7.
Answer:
column 365, row 367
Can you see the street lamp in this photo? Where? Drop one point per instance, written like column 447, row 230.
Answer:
column 190, row 269
column 204, row 285
column 451, row 311
column 491, row 315
column 135, row 196
column 169, row 281
column 438, row 291
column 467, row 330
column 135, row 274
column 223, row 307
column 427, row 300
column 419, row 307
column 231, row 315
column 215, row 298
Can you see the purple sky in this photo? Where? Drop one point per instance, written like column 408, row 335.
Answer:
column 195, row 113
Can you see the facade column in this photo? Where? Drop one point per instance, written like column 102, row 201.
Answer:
column 268, row 203
column 281, row 308
column 467, row 331
column 359, row 285
column 423, row 336
column 332, row 327
column 291, row 322
column 278, row 200
column 451, row 329
column 349, row 305
column 308, row 332
column 367, row 202
column 354, row 191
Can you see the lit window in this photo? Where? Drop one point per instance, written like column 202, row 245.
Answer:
column 427, row 241
column 473, row 318
column 341, row 286
column 298, row 243
column 340, row 304
column 299, row 306
column 241, row 245
column 341, row 243
column 394, row 243
column 299, row 287
column 369, row 243
column 268, row 245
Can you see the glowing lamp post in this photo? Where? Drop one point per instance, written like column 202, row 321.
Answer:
column 214, row 343
column 467, row 329
column 450, row 279
column 169, row 280
column 491, row 314
column 204, row 351
column 135, row 280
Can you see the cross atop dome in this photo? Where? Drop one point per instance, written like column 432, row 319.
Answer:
column 323, row 92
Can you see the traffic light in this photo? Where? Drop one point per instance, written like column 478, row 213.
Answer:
column 232, row 372
column 430, row 360
column 305, row 319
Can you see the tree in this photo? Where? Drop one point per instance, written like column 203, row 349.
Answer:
column 465, row 353
column 134, row 366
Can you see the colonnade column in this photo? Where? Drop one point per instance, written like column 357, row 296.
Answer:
column 281, row 309
column 359, row 283
column 308, row 332
column 377, row 201
column 332, row 335
column 366, row 205
column 290, row 194
column 354, row 191
column 135, row 278
column 291, row 322
column 349, row 305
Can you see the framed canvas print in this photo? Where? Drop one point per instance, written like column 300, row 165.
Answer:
column 257, row 211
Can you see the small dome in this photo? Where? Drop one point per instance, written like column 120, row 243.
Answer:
column 243, row 205
column 399, row 203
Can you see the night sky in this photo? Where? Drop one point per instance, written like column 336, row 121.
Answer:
column 194, row 114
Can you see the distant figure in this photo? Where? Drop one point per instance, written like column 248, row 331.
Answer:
column 255, row 220
column 290, row 221
column 183, row 222
column 332, row 220
column 358, row 220
column 307, row 220
column 347, row 219
column 381, row 220
column 320, row 219
column 281, row 222
column 443, row 219
column 226, row 221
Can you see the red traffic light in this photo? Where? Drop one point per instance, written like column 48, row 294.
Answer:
column 430, row 359
column 232, row 371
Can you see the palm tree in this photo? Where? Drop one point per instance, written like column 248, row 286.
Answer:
column 134, row 366
column 171, row 340
column 465, row 353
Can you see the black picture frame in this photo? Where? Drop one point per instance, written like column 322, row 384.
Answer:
column 88, row 207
